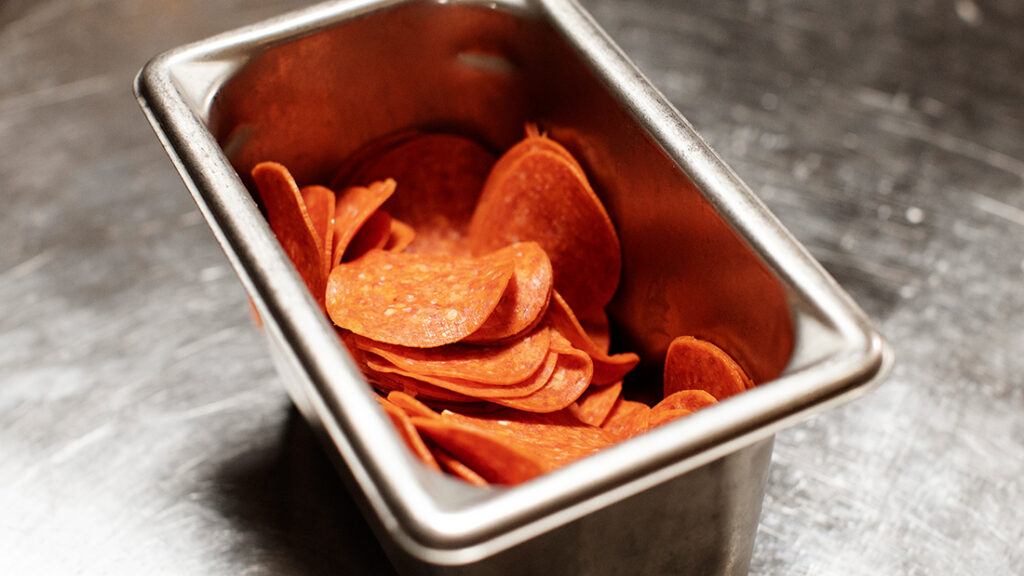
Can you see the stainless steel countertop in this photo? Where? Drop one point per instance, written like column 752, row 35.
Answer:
column 143, row 429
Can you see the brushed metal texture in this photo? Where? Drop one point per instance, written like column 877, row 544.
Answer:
column 143, row 428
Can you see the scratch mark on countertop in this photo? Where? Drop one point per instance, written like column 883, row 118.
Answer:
column 30, row 265
column 47, row 14
column 78, row 444
column 203, row 343
column 888, row 273
column 53, row 95
column 955, row 145
column 998, row 208
column 231, row 402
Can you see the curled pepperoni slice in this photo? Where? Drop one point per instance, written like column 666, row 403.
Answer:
column 409, row 433
column 401, row 235
column 291, row 223
column 355, row 205
column 693, row 364
column 489, row 455
column 608, row 369
column 555, row 439
column 596, row 403
column 319, row 201
column 541, row 196
column 440, row 178
column 525, row 299
column 502, row 365
column 419, row 300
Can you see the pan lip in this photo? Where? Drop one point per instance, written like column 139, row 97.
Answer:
column 418, row 518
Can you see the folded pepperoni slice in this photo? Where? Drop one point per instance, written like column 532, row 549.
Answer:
column 511, row 363
column 411, row 405
column 440, row 178
column 608, row 369
column 626, row 418
column 418, row 300
column 353, row 208
column 677, row 405
column 541, row 196
column 596, row 403
column 694, row 364
column 691, row 400
column 367, row 153
column 374, row 233
column 457, row 468
column 401, row 235
column 491, row 456
column 554, row 439
column 291, row 223
column 598, row 330
column 570, row 379
column 537, row 140
column 525, row 299
column 319, row 201
column 409, row 433
column 389, row 383
column 467, row 388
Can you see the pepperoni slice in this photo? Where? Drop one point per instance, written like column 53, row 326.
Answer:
column 419, row 300
column 411, row 405
column 367, row 153
column 319, row 201
column 539, row 195
column 458, row 468
column 694, row 364
column 353, row 208
column 596, row 403
column 570, row 378
column 608, row 369
column 525, row 299
column 409, row 433
column 291, row 223
column 401, row 235
column 388, row 383
column 554, row 439
column 440, row 178
column 626, row 417
column 502, row 365
column 470, row 388
column 691, row 400
column 374, row 233
column 487, row 454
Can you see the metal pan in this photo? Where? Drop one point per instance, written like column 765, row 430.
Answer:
column 701, row 256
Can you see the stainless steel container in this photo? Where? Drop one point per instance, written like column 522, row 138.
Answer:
column 701, row 256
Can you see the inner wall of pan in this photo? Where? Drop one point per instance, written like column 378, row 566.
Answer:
column 484, row 73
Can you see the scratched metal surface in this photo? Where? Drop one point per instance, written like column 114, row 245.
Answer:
column 142, row 429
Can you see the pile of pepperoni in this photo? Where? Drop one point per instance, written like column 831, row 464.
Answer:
column 471, row 291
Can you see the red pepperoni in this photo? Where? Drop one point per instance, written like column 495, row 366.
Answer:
column 288, row 219
column 355, row 205
column 525, row 299
column 490, row 456
column 319, row 201
column 608, row 369
column 596, row 403
column 553, row 439
column 420, row 300
column 409, row 433
column 440, row 177
column 509, row 364
column 693, row 364
column 538, row 195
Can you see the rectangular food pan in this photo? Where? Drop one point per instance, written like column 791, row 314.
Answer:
column 701, row 256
